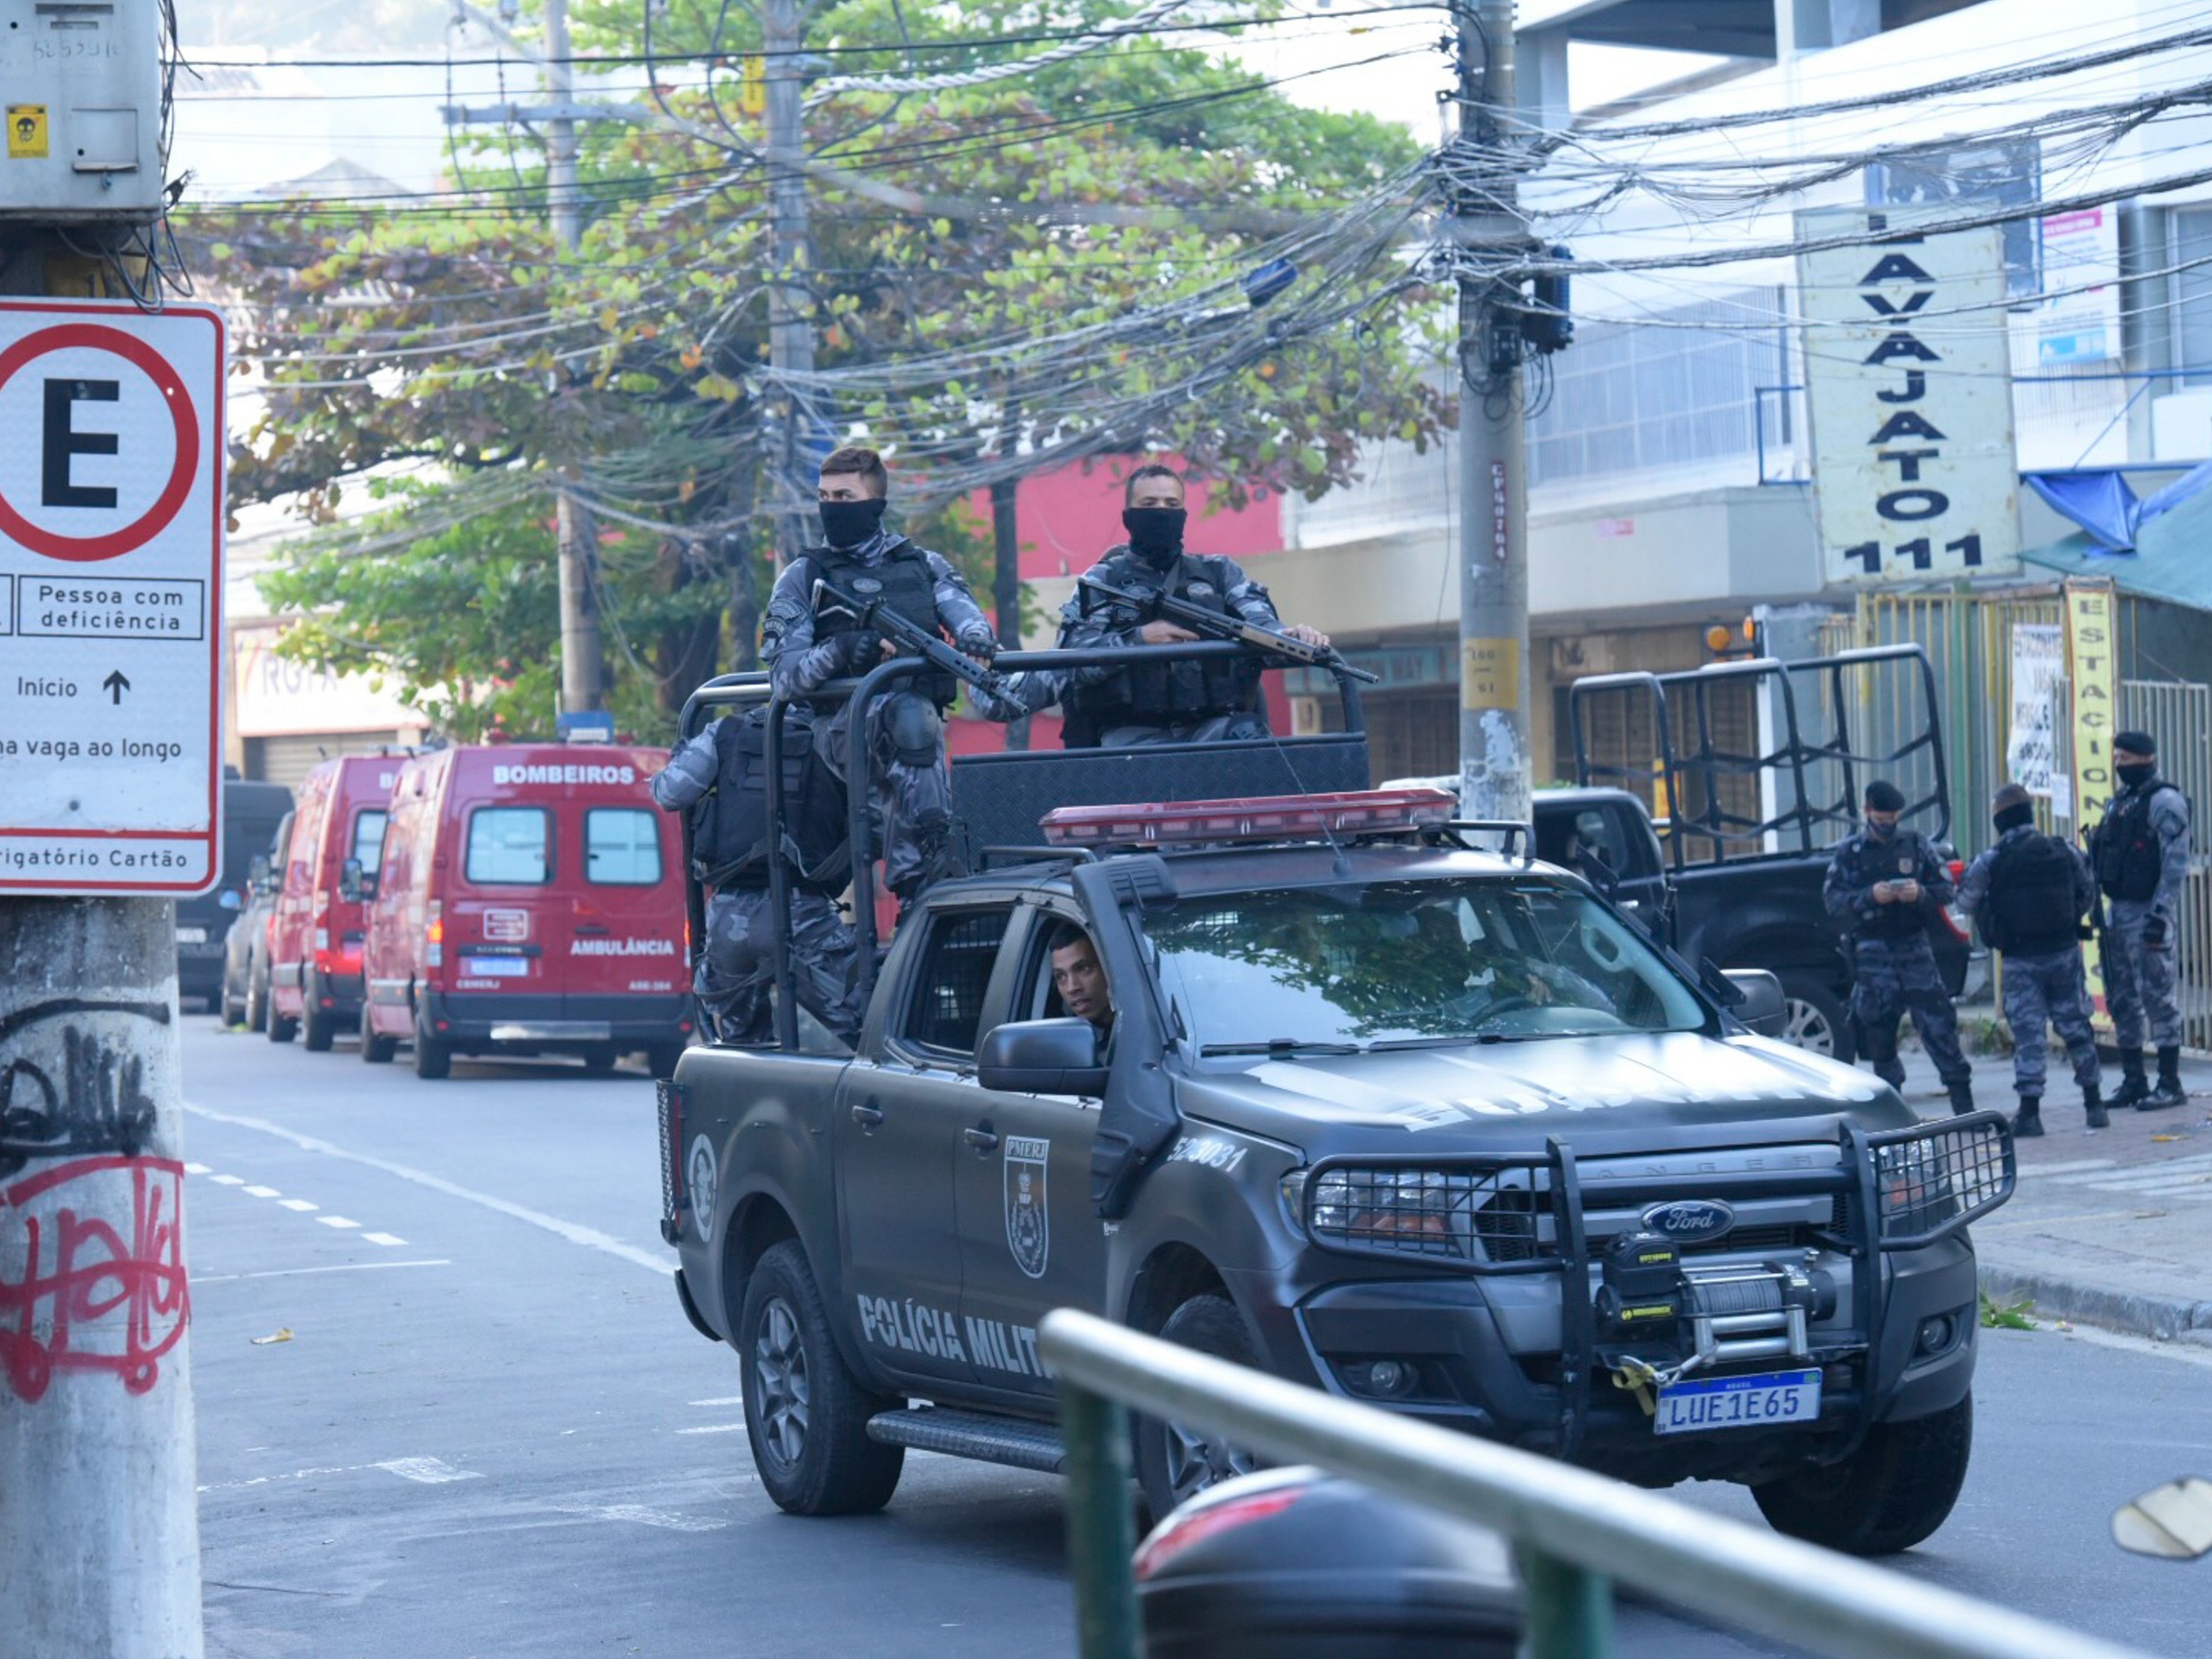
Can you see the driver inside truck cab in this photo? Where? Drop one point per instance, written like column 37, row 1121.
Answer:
column 1080, row 983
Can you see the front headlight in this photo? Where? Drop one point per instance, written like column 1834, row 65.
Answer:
column 1419, row 1211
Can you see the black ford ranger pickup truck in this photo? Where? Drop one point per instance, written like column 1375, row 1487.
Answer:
column 1427, row 1127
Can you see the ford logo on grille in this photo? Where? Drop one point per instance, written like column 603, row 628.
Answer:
column 1690, row 1219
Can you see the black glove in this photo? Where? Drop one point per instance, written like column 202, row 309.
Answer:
column 2154, row 933
column 864, row 649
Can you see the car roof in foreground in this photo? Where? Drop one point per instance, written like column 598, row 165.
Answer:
column 1242, row 868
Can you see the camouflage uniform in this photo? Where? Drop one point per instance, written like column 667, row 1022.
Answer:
column 2042, row 988
column 738, row 964
column 1893, row 969
column 911, row 799
column 1221, row 698
column 2139, row 976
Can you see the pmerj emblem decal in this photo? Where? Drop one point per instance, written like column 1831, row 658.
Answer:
column 867, row 585
column 702, row 1180
column 1199, row 590
column 1687, row 1220
column 1029, row 1229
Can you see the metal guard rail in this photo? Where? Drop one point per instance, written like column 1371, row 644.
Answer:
column 1574, row 1532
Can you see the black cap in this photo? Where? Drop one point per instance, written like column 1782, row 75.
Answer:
column 2135, row 743
column 1883, row 796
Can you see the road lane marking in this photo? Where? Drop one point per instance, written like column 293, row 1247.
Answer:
column 2075, row 1167
column 337, row 1221
column 590, row 1238
column 384, row 1238
column 198, row 1169
column 263, row 1192
column 716, row 1428
column 642, row 1516
column 427, row 1471
column 722, row 1399
column 2162, row 1167
column 301, row 1205
column 297, row 1273
column 228, row 1181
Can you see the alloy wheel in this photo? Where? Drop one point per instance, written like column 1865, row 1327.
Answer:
column 780, row 1379
column 1808, row 1027
column 1197, row 1461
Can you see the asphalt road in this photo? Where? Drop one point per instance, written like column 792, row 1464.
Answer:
column 489, row 1430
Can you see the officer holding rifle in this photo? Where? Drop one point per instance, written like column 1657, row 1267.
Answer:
column 1119, row 602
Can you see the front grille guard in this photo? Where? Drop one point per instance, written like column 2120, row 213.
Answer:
column 1904, row 1189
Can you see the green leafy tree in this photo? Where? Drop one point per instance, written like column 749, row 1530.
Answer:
column 1000, row 277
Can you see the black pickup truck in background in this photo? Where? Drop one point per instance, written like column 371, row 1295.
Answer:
column 1757, row 766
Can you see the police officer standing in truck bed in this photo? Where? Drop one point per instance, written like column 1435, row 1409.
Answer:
column 2140, row 851
column 1153, row 701
column 2028, row 895
column 1881, row 884
column 805, row 650
column 720, row 778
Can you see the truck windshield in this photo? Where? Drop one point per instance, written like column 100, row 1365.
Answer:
column 1414, row 963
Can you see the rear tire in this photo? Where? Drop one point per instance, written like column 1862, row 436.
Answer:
column 257, row 1002
column 600, row 1060
column 433, row 1058
column 806, row 1415
column 318, row 1030
column 375, row 1050
column 1892, row 1492
column 232, row 1011
column 280, row 1028
column 1176, row 1463
column 1816, row 1019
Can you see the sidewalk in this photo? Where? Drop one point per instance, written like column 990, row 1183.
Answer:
column 2112, row 1227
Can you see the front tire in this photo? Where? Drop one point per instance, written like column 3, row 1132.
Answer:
column 806, row 1415
column 317, row 1030
column 433, row 1059
column 1816, row 1019
column 280, row 1028
column 375, row 1050
column 1891, row 1493
column 1175, row 1464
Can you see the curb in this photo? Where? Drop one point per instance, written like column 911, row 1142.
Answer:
column 2162, row 1318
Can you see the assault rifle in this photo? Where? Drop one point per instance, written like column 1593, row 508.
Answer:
column 1218, row 625
column 912, row 639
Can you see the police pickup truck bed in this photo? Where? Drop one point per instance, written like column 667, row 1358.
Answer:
column 1412, row 1123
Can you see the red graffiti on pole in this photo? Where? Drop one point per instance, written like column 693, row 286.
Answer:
column 92, row 1296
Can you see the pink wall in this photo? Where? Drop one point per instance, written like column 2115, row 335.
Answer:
column 1066, row 519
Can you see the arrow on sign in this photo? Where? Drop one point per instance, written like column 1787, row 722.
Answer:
column 115, row 685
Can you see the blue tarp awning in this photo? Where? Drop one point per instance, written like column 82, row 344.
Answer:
column 2103, row 504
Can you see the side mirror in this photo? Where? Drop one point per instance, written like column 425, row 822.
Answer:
column 1043, row 1057
column 1761, row 1005
column 354, row 885
column 2173, row 1522
column 229, row 899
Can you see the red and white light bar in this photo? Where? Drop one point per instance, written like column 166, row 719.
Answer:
column 1257, row 817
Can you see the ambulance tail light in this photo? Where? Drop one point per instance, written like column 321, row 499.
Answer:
column 1261, row 817
column 433, row 934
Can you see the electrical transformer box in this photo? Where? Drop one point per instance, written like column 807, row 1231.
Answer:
column 82, row 87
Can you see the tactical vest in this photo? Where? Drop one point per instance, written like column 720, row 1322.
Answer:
column 902, row 579
column 1897, row 859
column 2031, row 906
column 730, row 826
column 1167, row 693
column 2124, row 848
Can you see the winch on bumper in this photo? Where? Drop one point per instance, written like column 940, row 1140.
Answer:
column 1723, row 1312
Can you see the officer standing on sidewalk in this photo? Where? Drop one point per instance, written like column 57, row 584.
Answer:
column 1881, row 886
column 2028, row 895
column 2140, row 850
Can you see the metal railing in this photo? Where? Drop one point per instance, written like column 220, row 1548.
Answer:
column 1573, row 1531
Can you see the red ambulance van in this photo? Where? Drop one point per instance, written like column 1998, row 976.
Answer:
column 531, row 901
column 315, row 931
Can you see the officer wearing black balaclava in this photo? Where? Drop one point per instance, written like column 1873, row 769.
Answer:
column 912, row 792
column 2140, row 851
column 1884, row 885
column 1156, row 702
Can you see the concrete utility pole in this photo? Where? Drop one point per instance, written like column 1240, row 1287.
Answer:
column 790, row 300
column 1493, row 607
column 583, row 669
column 99, row 1549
